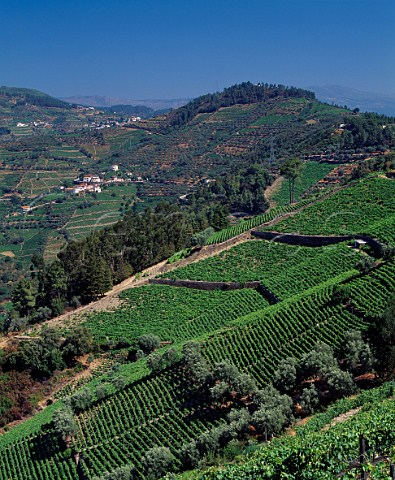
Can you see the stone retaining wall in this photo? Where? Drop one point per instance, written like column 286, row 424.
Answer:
column 315, row 240
column 201, row 285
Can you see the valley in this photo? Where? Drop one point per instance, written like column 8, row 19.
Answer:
column 173, row 340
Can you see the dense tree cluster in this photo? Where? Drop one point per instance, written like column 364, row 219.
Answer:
column 243, row 93
column 367, row 130
column 138, row 110
column 88, row 268
column 382, row 163
column 241, row 190
column 43, row 355
column 25, row 364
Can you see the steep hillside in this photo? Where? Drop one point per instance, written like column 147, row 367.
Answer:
column 213, row 132
column 14, row 97
column 224, row 350
column 328, row 446
column 364, row 101
column 178, row 397
column 45, row 144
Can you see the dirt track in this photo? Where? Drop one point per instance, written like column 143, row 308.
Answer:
column 272, row 189
column 110, row 301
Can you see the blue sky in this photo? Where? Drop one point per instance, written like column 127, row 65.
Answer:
column 184, row 48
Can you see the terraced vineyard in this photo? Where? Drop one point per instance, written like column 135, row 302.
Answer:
column 140, row 417
column 369, row 293
column 118, row 430
column 313, row 453
column 367, row 207
column 175, row 314
column 245, row 225
column 37, row 458
column 383, row 229
column 140, row 408
column 286, row 270
column 312, row 172
column 259, row 341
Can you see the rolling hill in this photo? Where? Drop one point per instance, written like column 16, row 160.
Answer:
column 365, row 101
column 134, row 407
column 178, row 371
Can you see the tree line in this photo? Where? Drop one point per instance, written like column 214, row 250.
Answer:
column 241, row 190
column 87, row 268
column 369, row 129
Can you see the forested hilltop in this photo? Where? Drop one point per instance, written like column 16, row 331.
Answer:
column 256, row 231
column 242, row 94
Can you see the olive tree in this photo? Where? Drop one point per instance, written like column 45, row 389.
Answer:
column 286, row 374
column 309, row 400
column 64, row 422
column 120, row 473
column 148, row 343
column 157, row 461
column 357, row 353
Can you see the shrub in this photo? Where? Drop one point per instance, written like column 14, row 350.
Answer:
column 309, row 400
column 157, row 461
column 285, row 376
column 148, row 343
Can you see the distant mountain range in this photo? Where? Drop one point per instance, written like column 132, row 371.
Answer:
column 102, row 101
column 353, row 98
column 365, row 101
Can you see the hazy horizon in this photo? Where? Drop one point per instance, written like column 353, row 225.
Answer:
column 309, row 87
column 178, row 49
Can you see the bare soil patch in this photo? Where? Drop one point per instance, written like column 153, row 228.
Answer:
column 272, row 189
column 342, row 418
column 8, row 253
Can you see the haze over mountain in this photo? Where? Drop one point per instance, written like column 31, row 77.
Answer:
column 353, row 98
column 104, row 101
column 336, row 94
